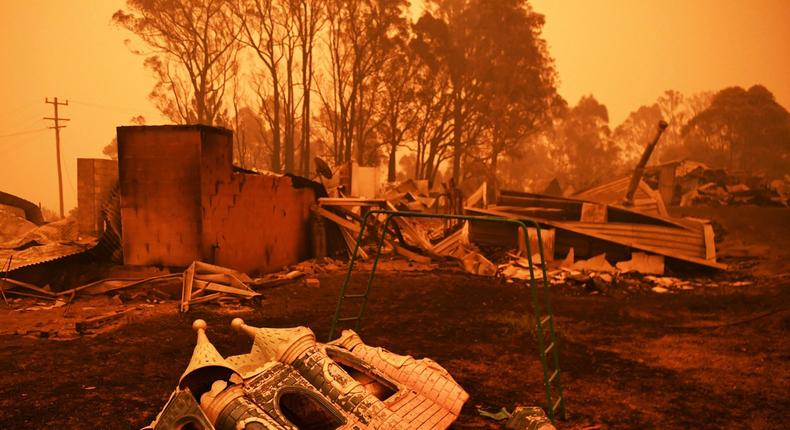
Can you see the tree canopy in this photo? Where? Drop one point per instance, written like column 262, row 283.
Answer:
column 743, row 130
column 464, row 89
column 192, row 50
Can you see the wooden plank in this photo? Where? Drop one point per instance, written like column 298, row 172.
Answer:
column 526, row 209
column 351, row 242
column 666, row 182
column 613, row 193
column 356, row 228
column 31, row 287
column 410, row 254
column 673, row 248
column 568, row 205
column 618, row 186
column 657, row 197
column 523, row 199
column 348, row 201
column 478, row 197
column 113, row 284
column 186, row 287
column 206, row 298
column 710, row 243
column 448, row 244
column 202, row 268
column 593, row 212
column 97, row 321
column 413, row 233
column 337, row 219
column 535, row 195
column 214, row 286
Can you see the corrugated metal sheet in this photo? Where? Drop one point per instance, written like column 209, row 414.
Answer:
column 40, row 254
column 43, row 244
column 692, row 243
column 667, row 240
column 645, row 198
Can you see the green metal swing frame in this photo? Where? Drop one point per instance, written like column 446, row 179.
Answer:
column 551, row 377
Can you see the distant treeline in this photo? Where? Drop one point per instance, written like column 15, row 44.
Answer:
column 464, row 87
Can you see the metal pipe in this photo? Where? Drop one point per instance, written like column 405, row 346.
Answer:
column 640, row 166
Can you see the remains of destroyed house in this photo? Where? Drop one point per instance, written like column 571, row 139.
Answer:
column 174, row 225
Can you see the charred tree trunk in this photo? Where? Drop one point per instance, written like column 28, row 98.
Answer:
column 457, row 128
column 290, row 113
column 307, row 62
column 276, row 166
column 391, row 171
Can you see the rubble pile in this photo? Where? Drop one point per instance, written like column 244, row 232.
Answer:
column 643, row 272
column 630, row 243
column 626, row 237
column 696, row 184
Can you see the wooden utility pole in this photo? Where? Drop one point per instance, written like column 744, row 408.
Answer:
column 55, row 103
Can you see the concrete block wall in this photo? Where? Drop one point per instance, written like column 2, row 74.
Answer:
column 160, row 176
column 181, row 201
column 257, row 223
column 95, row 181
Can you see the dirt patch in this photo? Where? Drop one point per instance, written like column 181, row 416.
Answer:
column 706, row 358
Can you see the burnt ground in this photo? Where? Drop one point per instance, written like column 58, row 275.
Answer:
column 712, row 357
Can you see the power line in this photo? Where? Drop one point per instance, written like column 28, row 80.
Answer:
column 14, row 114
column 29, row 123
column 23, row 125
column 68, row 178
column 18, row 145
column 103, row 106
column 19, row 133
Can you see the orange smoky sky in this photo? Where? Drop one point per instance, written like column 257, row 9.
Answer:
column 624, row 52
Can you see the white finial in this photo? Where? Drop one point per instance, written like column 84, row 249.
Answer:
column 199, row 325
column 237, row 324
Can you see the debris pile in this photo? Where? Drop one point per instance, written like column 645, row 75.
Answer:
column 642, row 273
column 420, row 240
column 697, row 184
column 203, row 282
column 522, row 418
column 607, row 238
column 291, row 381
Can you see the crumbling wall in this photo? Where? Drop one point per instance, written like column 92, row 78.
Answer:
column 257, row 223
column 95, row 181
column 181, row 201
